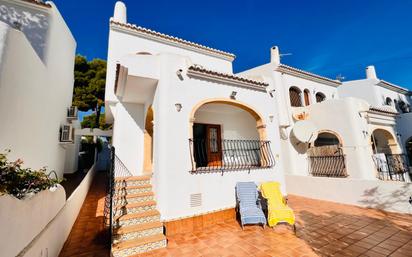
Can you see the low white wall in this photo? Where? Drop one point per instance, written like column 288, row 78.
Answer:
column 22, row 220
column 385, row 195
column 51, row 240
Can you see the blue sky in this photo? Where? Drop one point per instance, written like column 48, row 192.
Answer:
column 325, row 37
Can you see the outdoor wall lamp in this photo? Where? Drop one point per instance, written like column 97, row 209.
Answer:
column 179, row 74
column 233, row 95
column 365, row 133
column 271, row 92
column 271, row 118
column 178, row 107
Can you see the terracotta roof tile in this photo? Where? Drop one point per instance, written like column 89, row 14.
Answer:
column 383, row 109
column 38, row 2
column 254, row 84
column 228, row 56
column 308, row 75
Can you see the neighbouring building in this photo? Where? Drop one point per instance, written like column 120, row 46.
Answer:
column 383, row 94
column 37, row 53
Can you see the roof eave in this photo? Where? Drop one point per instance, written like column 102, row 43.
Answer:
column 307, row 75
column 170, row 40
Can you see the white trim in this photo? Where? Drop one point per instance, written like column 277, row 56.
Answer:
column 307, row 75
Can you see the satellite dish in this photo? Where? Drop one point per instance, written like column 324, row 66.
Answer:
column 305, row 131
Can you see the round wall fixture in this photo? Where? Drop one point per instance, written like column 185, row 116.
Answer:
column 305, row 131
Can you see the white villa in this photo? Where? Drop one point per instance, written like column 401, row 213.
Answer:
column 186, row 130
column 184, row 119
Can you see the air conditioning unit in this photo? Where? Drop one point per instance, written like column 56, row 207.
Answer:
column 66, row 134
column 72, row 112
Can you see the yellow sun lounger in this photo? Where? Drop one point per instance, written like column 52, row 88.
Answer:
column 278, row 211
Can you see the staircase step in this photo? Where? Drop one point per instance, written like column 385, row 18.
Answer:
column 132, row 189
column 122, row 209
column 138, row 231
column 137, row 218
column 139, row 245
column 134, row 198
column 133, row 178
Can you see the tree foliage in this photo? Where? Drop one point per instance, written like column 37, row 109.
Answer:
column 89, row 85
column 90, row 122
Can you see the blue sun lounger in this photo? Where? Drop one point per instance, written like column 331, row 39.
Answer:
column 248, row 205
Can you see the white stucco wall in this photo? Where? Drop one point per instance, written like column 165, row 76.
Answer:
column 385, row 195
column 235, row 123
column 128, row 135
column 22, row 220
column 34, row 92
column 50, row 241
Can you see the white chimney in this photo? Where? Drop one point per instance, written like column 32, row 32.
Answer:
column 370, row 72
column 120, row 12
column 275, row 55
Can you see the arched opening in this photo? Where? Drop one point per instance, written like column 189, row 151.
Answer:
column 148, row 141
column 320, row 97
column 326, row 139
column 326, row 158
column 388, row 101
column 383, row 142
column 306, row 95
column 295, row 97
column 227, row 134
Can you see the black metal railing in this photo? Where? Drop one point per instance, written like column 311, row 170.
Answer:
column 230, row 155
column 327, row 161
column 392, row 167
column 116, row 169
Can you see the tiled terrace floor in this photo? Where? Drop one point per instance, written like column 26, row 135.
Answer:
column 324, row 229
column 89, row 236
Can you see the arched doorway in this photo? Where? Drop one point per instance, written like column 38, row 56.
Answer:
column 148, row 141
column 383, row 142
column 228, row 134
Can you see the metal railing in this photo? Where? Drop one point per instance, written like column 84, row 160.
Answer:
column 230, row 155
column 392, row 167
column 327, row 161
column 116, row 169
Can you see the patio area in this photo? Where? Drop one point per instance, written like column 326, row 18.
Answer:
column 323, row 229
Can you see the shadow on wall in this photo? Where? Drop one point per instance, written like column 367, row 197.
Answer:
column 375, row 198
column 363, row 233
column 33, row 23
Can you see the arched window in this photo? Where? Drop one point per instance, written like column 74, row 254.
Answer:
column 306, row 95
column 320, row 97
column 326, row 138
column 295, row 97
column 388, row 101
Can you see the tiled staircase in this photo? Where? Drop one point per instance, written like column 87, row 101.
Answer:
column 137, row 226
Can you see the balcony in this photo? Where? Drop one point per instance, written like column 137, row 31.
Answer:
column 392, row 167
column 327, row 161
column 228, row 155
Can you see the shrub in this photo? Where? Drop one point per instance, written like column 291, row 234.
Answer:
column 19, row 182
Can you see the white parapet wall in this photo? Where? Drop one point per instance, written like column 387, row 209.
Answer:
column 49, row 242
column 22, row 220
column 384, row 195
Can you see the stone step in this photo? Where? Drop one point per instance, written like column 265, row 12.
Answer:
column 139, row 245
column 122, row 209
column 137, row 189
column 134, row 198
column 132, row 181
column 138, row 231
column 137, row 218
